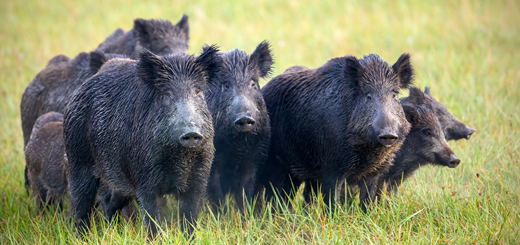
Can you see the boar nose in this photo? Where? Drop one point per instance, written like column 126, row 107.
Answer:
column 470, row 132
column 454, row 161
column 191, row 139
column 245, row 124
column 387, row 139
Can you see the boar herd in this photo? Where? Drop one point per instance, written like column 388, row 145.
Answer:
column 139, row 118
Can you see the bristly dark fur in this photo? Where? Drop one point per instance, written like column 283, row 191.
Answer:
column 161, row 37
column 158, row 70
column 453, row 128
column 403, row 66
column 53, row 87
column 235, row 93
column 46, row 162
column 124, row 127
column 325, row 124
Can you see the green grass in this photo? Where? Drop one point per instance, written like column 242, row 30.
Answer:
column 465, row 50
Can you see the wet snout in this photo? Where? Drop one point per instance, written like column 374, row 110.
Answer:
column 453, row 161
column 470, row 131
column 386, row 127
column 242, row 113
column 188, row 123
column 387, row 138
column 245, row 123
column 191, row 139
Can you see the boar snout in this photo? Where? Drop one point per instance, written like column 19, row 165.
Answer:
column 191, row 139
column 453, row 161
column 245, row 124
column 470, row 132
column 387, row 138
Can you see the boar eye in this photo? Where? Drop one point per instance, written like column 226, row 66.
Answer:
column 369, row 97
column 197, row 91
column 394, row 96
column 168, row 94
column 427, row 132
column 227, row 86
column 253, row 85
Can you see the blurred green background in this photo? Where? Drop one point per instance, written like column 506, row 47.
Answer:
column 465, row 50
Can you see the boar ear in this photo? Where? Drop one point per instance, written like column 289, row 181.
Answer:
column 97, row 59
column 209, row 60
column 427, row 90
column 416, row 96
column 262, row 57
column 141, row 30
column 353, row 70
column 410, row 112
column 184, row 25
column 149, row 67
column 404, row 71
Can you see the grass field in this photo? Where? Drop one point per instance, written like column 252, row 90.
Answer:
column 465, row 50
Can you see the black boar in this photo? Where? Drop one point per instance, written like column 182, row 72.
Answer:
column 53, row 87
column 142, row 128
column 339, row 122
column 46, row 160
column 242, row 130
column 453, row 128
column 158, row 36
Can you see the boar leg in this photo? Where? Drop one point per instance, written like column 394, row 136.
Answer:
column 369, row 190
column 147, row 200
column 190, row 200
column 83, row 187
column 331, row 188
column 246, row 189
column 41, row 198
column 215, row 193
column 117, row 202
column 189, row 207
column 27, row 181
column 311, row 188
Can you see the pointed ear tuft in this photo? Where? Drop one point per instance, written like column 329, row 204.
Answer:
column 209, row 60
column 184, row 25
column 97, row 59
column 262, row 57
column 149, row 66
column 141, row 30
column 416, row 96
column 427, row 90
column 404, row 71
column 353, row 70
